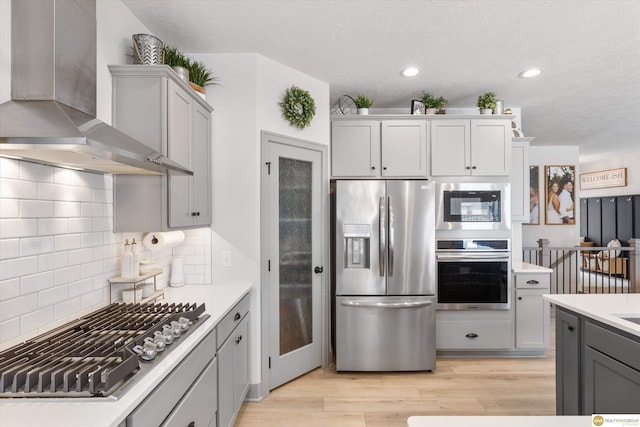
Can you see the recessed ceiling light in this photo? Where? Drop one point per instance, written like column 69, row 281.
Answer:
column 532, row 72
column 410, row 71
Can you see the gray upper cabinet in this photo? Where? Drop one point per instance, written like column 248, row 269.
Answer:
column 154, row 106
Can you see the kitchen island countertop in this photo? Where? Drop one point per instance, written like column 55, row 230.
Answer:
column 606, row 308
column 520, row 267
column 97, row 412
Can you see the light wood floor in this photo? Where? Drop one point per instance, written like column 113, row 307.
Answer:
column 458, row 386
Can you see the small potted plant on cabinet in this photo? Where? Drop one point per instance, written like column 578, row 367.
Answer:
column 487, row 103
column 432, row 104
column 362, row 104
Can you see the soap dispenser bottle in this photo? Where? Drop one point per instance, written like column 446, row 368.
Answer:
column 126, row 263
column 135, row 258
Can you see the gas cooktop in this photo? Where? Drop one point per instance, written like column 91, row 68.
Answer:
column 97, row 354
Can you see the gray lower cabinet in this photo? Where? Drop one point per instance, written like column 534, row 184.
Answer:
column 597, row 367
column 153, row 105
column 233, row 362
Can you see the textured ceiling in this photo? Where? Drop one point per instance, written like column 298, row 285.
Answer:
column 589, row 51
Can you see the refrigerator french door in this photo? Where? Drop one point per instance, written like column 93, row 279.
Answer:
column 384, row 266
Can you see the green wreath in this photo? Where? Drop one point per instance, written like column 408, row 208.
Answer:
column 298, row 107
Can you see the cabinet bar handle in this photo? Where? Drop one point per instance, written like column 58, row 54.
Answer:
column 532, row 282
column 471, row 335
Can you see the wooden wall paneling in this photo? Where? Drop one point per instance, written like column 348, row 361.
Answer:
column 594, row 220
column 624, row 220
column 609, row 217
column 584, row 220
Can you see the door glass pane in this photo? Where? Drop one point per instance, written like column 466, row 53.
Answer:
column 295, row 254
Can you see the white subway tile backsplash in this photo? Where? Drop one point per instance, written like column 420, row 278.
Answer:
column 66, row 275
column 65, row 242
column 10, row 228
column 9, row 168
column 92, row 209
column 36, row 319
column 93, row 180
column 36, row 208
column 111, row 265
column 36, row 245
column 80, row 256
column 91, row 269
column 93, row 298
column 53, row 261
column 92, row 239
column 67, row 308
column 106, row 251
column 36, row 172
column 80, row 225
column 63, row 192
column 80, row 287
column 16, row 189
column 66, row 209
column 18, row 306
column 49, row 226
column 9, row 248
column 9, row 289
column 9, row 208
column 36, row 282
column 102, row 196
column 66, row 176
column 17, row 267
column 53, row 295
column 9, row 329
column 102, row 224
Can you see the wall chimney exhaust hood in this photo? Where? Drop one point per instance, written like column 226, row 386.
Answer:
column 51, row 117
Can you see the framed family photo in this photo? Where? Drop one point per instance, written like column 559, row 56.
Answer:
column 560, row 203
column 534, row 195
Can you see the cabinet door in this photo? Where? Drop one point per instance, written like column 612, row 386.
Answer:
column 201, row 198
column 404, row 148
column 241, row 362
column 520, row 181
column 450, row 148
column 568, row 365
column 490, row 147
column 180, row 150
column 532, row 319
column 355, row 148
column 610, row 387
column 226, row 385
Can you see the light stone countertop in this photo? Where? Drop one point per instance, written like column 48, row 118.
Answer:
column 524, row 267
column 499, row 421
column 107, row 412
column 606, row 308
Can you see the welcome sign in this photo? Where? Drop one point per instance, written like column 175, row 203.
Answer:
column 604, row 179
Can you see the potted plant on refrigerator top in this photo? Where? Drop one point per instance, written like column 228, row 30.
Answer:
column 487, row 103
column 432, row 104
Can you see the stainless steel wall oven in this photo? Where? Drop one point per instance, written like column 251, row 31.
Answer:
column 473, row 274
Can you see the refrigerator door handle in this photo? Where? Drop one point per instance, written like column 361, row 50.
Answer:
column 391, row 237
column 363, row 304
column 382, row 247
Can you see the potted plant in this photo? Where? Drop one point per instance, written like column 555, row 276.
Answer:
column 487, row 103
column 362, row 104
column 432, row 104
column 196, row 74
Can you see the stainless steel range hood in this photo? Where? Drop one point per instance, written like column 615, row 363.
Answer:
column 51, row 117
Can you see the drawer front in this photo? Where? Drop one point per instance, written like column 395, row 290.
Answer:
column 532, row 281
column 198, row 406
column 476, row 335
column 616, row 346
column 232, row 319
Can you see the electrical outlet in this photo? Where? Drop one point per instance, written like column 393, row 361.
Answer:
column 226, row 258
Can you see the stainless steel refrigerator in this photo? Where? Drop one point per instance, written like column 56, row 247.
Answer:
column 384, row 274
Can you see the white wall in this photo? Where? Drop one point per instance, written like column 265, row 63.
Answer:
column 558, row 235
column 246, row 103
column 616, row 161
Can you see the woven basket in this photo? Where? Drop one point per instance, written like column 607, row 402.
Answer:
column 148, row 50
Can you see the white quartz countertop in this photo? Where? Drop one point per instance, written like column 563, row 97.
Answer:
column 500, row 421
column 525, row 267
column 98, row 412
column 606, row 308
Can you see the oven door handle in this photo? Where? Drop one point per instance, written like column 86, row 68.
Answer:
column 365, row 304
column 382, row 227
column 472, row 257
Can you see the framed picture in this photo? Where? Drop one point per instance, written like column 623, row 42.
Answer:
column 534, row 195
column 559, row 201
column 604, row 179
column 417, row 107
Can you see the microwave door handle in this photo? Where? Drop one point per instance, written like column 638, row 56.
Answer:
column 391, row 237
column 382, row 224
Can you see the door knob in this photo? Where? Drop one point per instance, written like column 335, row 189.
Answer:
column 318, row 270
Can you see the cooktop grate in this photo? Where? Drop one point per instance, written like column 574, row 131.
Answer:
column 90, row 356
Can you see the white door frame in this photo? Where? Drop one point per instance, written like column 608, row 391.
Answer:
column 327, row 355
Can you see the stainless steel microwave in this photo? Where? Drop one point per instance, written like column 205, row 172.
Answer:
column 473, row 206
